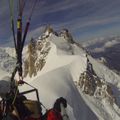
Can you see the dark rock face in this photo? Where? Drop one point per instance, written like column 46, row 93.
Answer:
column 92, row 85
column 36, row 58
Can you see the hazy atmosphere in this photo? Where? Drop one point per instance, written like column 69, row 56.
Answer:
column 68, row 66
column 86, row 19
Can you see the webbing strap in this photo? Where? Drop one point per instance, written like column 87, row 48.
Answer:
column 28, row 24
column 33, row 7
column 11, row 6
column 20, row 7
column 19, row 40
column 25, row 34
column 32, row 90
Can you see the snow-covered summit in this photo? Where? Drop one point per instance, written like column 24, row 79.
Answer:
column 54, row 60
column 51, row 45
column 58, row 66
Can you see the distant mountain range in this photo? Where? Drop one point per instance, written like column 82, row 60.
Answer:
column 58, row 66
column 106, row 50
column 7, row 59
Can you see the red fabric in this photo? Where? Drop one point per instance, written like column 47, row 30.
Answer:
column 54, row 115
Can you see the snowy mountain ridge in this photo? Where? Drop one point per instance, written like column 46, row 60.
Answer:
column 57, row 66
column 88, row 75
column 106, row 50
column 48, row 45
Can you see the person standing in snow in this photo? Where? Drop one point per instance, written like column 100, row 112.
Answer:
column 57, row 112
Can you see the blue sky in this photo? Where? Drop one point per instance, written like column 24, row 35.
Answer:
column 86, row 19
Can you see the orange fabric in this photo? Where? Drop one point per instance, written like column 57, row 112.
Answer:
column 54, row 115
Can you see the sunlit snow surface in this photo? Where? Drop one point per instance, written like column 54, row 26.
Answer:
column 64, row 64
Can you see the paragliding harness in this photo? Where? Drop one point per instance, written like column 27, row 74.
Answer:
column 64, row 115
column 9, row 102
column 58, row 112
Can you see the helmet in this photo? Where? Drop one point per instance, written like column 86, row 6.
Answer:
column 63, row 101
column 58, row 102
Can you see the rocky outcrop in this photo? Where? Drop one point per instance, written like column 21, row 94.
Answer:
column 92, row 85
column 38, row 50
column 66, row 34
column 37, row 53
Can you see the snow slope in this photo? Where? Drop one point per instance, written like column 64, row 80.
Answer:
column 2, row 73
column 7, row 61
column 65, row 63
column 56, row 79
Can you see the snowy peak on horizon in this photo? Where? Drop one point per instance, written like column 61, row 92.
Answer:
column 63, row 33
column 50, row 45
column 106, row 50
column 54, row 59
column 58, row 66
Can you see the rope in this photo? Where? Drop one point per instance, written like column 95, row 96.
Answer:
column 28, row 24
column 11, row 7
column 33, row 7
column 20, row 41
column 19, row 44
column 16, row 92
column 37, row 94
column 23, row 6
column 25, row 33
column 20, row 7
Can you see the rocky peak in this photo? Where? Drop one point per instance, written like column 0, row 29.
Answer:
column 67, row 35
column 36, row 59
column 39, row 49
column 48, row 30
column 63, row 33
column 92, row 85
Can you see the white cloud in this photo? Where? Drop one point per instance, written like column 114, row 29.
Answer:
column 97, row 50
column 107, row 44
column 93, row 41
column 110, row 43
column 57, row 6
column 81, row 15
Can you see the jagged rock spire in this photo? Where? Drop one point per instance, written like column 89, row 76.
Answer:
column 48, row 30
column 92, row 85
column 37, row 53
column 67, row 35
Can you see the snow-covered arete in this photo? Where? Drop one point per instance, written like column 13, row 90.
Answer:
column 62, row 68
